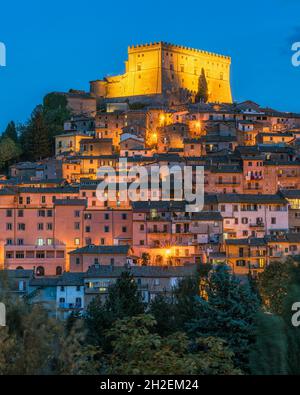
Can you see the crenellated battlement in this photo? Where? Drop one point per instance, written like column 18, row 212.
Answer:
column 162, row 68
column 165, row 45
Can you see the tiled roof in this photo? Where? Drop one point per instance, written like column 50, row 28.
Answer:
column 71, row 279
column 142, row 271
column 255, row 199
column 254, row 241
column 44, row 282
column 102, row 250
column 207, row 216
column 291, row 193
column 66, row 189
column 70, row 202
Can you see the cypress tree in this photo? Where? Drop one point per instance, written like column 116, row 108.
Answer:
column 202, row 94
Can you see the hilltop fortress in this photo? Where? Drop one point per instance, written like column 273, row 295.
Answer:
column 163, row 72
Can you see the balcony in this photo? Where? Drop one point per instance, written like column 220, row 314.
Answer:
column 257, row 225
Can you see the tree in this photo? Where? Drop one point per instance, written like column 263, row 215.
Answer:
column 123, row 300
column 136, row 349
column 277, row 346
column 46, row 121
column 56, row 113
column 11, row 132
column 163, row 310
column 76, row 357
column 228, row 313
column 29, row 342
column 186, row 300
column 35, row 138
column 202, row 94
column 273, row 284
column 8, row 151
column 268, row 354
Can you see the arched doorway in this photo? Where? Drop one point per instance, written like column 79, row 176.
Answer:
column 40, row 271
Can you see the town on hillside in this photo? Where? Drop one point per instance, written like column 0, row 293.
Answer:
column 173, row 106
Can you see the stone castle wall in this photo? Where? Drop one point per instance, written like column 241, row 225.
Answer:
column 166, row 69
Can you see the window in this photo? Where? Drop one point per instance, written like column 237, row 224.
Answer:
column 124, row 229
column 49, row 242
column 77, row 241
column 106, row 229
column 49, row 213
column 9, row 226
column 78, row 302
column 40, row 241
column 62, row 289
column 40, row 255
column 77, row 261
column 43, row 199
column 49, row 226
column 142, row 242
column 20, row 242
column 223, row 208
column 88, row 229
column 142, row 227
column 41, row 213
column 77, row 214
column 59, row 271
column 106, row 216
column 87, row 216
column 273, row 220
column 76, row 225
column 40, row 226
column 28, row 200
column 9, row 242
column 21, row 227
column 20, row 255
column 9, row 213
column 62, row 300
column 244, row 220
column 124, row 216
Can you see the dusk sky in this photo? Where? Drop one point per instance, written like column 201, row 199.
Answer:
column 58, row 45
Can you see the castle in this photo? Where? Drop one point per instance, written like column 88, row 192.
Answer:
column 167, row 72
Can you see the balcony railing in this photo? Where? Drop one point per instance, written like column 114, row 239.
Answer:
column 257, row 225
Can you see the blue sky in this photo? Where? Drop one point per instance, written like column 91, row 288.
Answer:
column 57, row 45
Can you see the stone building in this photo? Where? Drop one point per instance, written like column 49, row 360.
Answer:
column 168, row 71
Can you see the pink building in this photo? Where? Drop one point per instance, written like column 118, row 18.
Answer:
column 84, row 258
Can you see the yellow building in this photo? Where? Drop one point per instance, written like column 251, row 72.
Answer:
column 69, row 142
column 165, row 69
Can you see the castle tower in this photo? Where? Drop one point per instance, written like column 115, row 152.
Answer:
column 164, row 69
